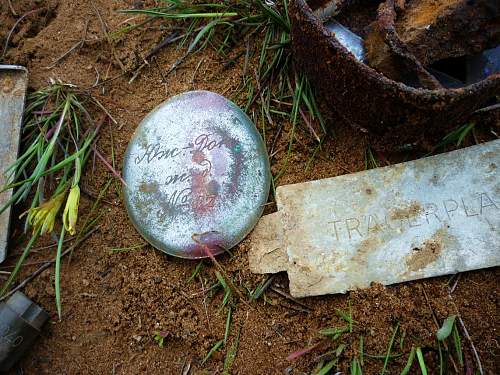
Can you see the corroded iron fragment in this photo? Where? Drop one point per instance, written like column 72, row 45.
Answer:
column 367, row 99
column 13, row 83
column 439, row 29
column 405, row 38
column 429, row 217
column 197, row 175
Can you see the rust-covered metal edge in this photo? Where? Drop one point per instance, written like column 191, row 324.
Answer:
column 367, row 99
column 13, row 85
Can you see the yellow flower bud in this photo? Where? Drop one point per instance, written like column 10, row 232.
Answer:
column 44, row 215
column 70, row 214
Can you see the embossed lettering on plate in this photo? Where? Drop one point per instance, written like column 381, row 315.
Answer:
column 196, row 167
column 428, row 217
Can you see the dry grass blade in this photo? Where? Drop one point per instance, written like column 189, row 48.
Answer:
column 9, row 35
column 46, row 265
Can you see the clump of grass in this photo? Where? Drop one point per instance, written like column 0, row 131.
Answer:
column 327, row 367
column 275, row 85
column 57, row 135
column 228, row 292
column 457, row 135
column 356, row 367
column 346, row 316
column 228, row 304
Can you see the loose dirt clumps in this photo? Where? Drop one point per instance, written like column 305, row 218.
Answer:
column 113, row 303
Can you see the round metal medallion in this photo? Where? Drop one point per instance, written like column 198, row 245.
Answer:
column 197, row 175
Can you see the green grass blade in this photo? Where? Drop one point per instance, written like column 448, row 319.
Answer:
column 117, row 250
column 211, row 352
column 275, row 16
column 231, row 354
column 179, row 15
column 228, row 324
column 356, row 367
column 389, row 349
column 196, row 271
column 446, row 328
column 326, row 369
column 458, row 345
column 58, row 273
column 20, row 262
column 421, row 361
column 361, row 351
column 207, row 28
column 411, row 357
column 441, row 364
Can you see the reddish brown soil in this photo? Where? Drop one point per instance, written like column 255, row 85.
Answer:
column 113, row 303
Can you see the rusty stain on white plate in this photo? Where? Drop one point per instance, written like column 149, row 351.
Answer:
column 433, row 216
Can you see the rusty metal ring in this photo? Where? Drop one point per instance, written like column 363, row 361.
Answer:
column 366, row 98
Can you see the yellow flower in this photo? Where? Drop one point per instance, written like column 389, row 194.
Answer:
column 70, row 214
column 44, row 215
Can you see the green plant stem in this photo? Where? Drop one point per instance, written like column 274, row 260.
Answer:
column 387, row 357
column 58, row 272
column 411, row 357
column 421, row 361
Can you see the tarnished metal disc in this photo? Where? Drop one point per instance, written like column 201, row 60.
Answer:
column 197, row 175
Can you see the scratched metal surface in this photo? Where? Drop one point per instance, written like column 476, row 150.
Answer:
column 434, row 216
column 13, row 81
column 196, row 165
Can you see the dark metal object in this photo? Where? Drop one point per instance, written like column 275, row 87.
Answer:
column 435, row 30
column 13, row 82
column 20, row 323
column 367, row 99
column 197, row 175
column 482, row 65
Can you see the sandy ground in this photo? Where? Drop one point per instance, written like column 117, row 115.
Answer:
column 113, row 303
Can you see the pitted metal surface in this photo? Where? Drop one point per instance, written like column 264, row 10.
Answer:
column 365, row 98
column 13, row 82
column 197, row 175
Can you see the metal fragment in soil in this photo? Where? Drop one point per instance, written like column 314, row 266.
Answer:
column 352, row 42
column 364, row 97
column 13, row 82
column 21, row 321
column 429, row 217
column 197, row 175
